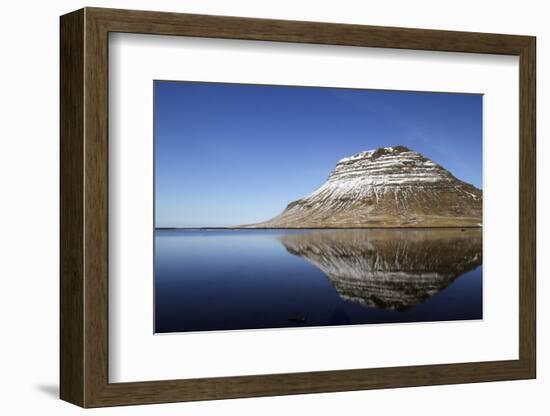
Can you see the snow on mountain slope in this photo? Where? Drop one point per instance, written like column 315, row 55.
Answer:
column 386, row 187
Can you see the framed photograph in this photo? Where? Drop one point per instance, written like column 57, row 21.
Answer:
column 255, row 207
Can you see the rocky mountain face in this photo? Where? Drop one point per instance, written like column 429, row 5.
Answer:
column 386, row 187
column 389, row 269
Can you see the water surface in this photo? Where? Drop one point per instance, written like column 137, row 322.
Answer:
column 249, row 279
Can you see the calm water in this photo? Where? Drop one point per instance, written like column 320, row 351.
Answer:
column 223, row 280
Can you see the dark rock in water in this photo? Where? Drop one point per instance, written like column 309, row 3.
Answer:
column 386, row 187
column 389, row 269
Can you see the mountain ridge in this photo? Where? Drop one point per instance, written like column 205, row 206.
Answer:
column 388, row 187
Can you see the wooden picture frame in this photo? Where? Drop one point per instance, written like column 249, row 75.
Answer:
column 84, row 207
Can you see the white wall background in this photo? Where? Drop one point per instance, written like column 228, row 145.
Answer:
column 29, row 210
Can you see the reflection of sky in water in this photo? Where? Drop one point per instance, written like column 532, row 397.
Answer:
column 221, row 280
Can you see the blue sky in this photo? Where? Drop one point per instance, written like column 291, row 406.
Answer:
column 230, row 154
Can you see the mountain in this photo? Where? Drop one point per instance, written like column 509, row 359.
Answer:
column 385, row 187
column 389, row 269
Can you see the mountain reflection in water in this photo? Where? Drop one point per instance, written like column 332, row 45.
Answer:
column 209, row 280
column 389, row 269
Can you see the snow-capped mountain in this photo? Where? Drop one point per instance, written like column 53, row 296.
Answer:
column 389, row 269
column 385, row 187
